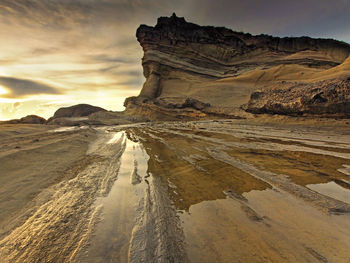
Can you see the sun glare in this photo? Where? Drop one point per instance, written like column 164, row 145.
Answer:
column 3, row 90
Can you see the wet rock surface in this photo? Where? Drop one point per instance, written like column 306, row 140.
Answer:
column 200, row 191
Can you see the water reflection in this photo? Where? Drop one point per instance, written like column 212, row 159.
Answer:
column 191, row 174
column 332, row 189
column 113, row 233
column 167, row 177
column 229, row 215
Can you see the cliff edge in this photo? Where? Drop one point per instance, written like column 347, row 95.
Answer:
column 197, row 71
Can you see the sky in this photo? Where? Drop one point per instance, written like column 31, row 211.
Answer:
column 57, row 53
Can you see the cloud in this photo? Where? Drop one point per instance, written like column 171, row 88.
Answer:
column 11, row 107
column 119, row 19
column 59, row 14
column 132, row 83
column 22, row 87
column 105, row 58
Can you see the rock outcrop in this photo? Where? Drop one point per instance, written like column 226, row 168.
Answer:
column 326, row 98
column 219, row 68
column 80, row 110
column 75, row 115
column 30, row 119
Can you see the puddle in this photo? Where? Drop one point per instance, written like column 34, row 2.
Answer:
column 68, row 128
column 116, row 137
column 111, row 238
column 191, row 174
column 65, row 129
column 333, row 190
column 228, row 215
column 255, row 230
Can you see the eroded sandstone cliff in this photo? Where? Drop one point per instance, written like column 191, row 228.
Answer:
column 327, row 98
column 221, row 68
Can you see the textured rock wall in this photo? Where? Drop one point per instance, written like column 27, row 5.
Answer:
column 327, row 98
column 183, row 60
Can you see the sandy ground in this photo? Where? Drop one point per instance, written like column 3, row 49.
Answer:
column 264, row 190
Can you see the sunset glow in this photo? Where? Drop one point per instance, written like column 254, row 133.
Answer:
column 86, row 51
column 3, row 90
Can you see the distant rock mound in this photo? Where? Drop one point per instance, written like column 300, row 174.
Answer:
column 33, row 119
column 80, row 110
column 76, row 115
column 30, row 119
column 222, row 68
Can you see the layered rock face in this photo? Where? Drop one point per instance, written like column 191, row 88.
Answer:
column 221, row 68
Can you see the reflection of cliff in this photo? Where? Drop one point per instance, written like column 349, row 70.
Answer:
column 211, row 160
column 222, row 68
column 190, row 173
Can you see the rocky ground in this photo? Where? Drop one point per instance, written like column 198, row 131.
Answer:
column 325, row 98
column 200, row 191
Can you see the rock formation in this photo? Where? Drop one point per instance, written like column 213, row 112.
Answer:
column 30, row 119
column 219, row 68
column 74, row 115
column 327, row 98
column 80, row 110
